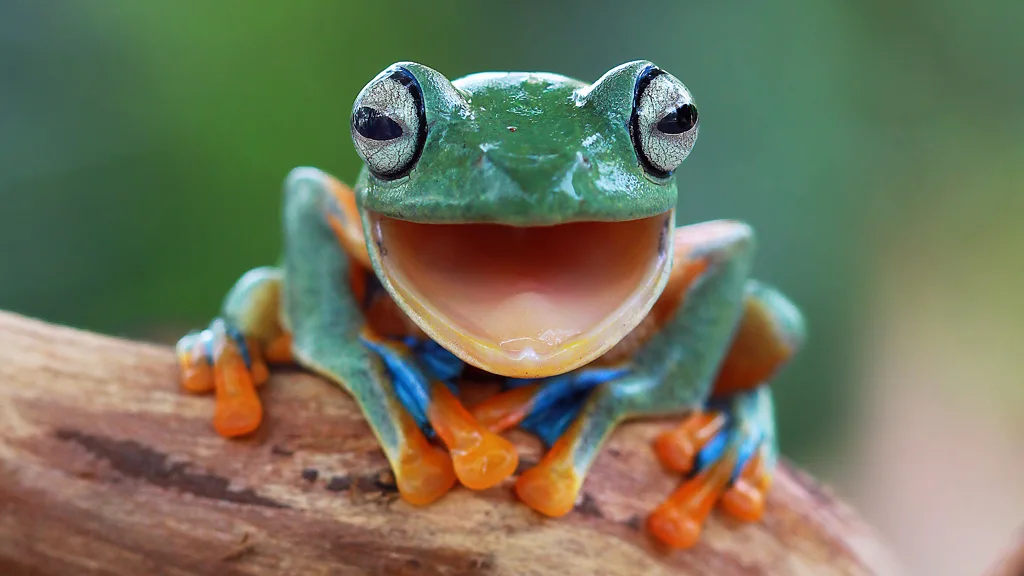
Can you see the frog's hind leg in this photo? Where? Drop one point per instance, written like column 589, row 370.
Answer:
column 728, row 450
column 229, row 358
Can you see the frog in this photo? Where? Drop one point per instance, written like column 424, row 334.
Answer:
column 520, row 225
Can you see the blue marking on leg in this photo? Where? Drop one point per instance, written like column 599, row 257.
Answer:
column 550, row 424
column 560, row 398
column 243, row 346
column 712, row 451
column 742, row 433
column 437, row 361
column 411, row 385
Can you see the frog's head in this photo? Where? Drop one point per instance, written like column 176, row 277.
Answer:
column 522, row 220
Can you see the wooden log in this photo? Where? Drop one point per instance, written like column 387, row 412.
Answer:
column 106, row 468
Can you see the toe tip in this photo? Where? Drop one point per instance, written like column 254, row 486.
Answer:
column 550, row 494
column 673, row 528
column 487, row 464
column 426, row 480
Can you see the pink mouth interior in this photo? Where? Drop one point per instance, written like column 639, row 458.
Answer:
column 528, row 292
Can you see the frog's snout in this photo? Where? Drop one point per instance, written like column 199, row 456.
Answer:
column 547, row 175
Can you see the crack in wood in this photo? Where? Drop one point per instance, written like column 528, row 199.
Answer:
column 134, row 460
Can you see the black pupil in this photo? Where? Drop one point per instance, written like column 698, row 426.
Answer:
column 376, row 126
column 679, row 121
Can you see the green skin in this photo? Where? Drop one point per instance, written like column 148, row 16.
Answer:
column 570, row 158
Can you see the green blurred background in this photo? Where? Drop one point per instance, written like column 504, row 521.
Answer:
column 876, row 147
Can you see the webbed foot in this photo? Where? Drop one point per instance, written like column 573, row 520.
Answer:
column 230, row 357
column 220, row 360
column 728, row 456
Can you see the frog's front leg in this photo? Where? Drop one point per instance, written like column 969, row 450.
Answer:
column 398, row 392
column 230, row 356
column 672, row 374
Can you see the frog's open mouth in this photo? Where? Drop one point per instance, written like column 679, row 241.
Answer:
column 525, row 302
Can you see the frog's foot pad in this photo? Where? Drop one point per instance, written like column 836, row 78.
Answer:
column 481, row 458
column 424, row 471
column 551, row 487
column 677, row 449
column 726, row 459
column 220, row 360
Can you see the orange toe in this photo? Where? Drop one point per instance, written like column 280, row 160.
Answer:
column 550, row 490
column 677, row 449
column 481, row 458
column 679, row 520
column 424, row 472
column 196, row 378
column 506, row 409
column 196, row 373
column 674, row 527
column 238, row 411
column 485, row 463
column 743, row 501
column 279, row 350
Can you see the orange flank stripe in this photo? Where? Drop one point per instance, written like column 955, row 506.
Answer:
column 677, row 449
column 679, row 520
column 756, row 353
column 507, row 409
column 481, row 458
column 423, row 471
column 348, row 226
column 551, row 486
column 238, row 410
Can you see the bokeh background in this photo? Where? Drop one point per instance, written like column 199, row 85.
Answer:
column 875, row 145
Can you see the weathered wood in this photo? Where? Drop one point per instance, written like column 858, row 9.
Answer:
column 106, row 468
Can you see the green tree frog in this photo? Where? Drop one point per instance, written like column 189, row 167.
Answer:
column 522, row 224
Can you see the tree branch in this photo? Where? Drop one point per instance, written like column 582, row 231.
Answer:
column 106, row 468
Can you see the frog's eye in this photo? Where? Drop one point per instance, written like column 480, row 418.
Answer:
column 664, row 122
column 389, row 126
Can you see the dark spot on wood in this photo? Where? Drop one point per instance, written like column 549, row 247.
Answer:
column 381, row 483
column 588, row 506
column 524, row 465
column 385, row 482
column 614, row 452
column 281, row 451
column 635, row 522
column 140, row 462
column 413, row 562
column 310, row 474
column 338, row 483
